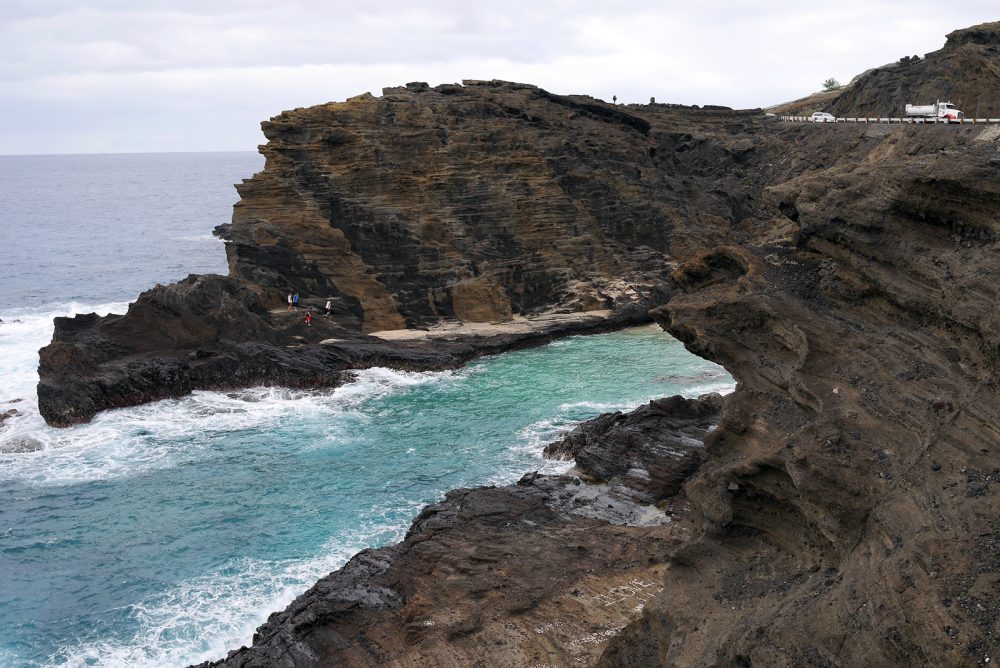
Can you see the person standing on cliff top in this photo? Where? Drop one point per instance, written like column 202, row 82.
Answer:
column 329, row 307
column 295, row 300
column 309, row 318
column 289, row 301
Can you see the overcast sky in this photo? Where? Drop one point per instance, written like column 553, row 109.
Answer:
column 95, row 76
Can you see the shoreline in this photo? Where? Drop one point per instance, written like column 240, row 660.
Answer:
column 550, row 566
column 220, row 338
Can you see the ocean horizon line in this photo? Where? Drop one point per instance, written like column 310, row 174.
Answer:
column 91, row 153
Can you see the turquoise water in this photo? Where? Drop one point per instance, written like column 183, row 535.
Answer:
column 164, row 534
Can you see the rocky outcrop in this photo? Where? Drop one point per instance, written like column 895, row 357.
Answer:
column 211, row 333
column 474, row 202
column 847, row 509
column 648, row 454
column 203, row 332
column 547, row 570
column 487, row 202
column 844, row 512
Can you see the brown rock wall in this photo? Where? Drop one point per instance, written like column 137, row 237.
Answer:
column 476, row 202
column 848, row 501
column 847, row 276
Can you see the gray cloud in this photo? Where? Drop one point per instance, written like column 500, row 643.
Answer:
column 118, row 75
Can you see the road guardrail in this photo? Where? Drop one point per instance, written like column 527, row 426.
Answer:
column 964, row 121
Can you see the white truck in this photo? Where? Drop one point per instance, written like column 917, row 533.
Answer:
column 944, row 111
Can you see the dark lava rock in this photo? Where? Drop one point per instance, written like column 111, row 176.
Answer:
column 846, row 276
column 211, row 333
column 524, row 570
column 9, row 413
column 224, row 231
column 648, row 453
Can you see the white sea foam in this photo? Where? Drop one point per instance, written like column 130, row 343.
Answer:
column 198, row 237
column 203, row 618
column 131, row 440
column 22, row 333
column 722, row 386
column 591, row 407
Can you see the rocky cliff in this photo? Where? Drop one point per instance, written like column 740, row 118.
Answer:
column 845, row 510
column 547, row 570
column 489, row 202
column 477, row 202
column 848, row 507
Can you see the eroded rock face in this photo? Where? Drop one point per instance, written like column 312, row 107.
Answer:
column 476, row 202
column 848, row 504
column 648, row 454
column 846, row 511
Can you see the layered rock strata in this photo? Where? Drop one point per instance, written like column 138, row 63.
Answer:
column 476, row 202
column 845, row 511
column 543, row 572
column 848, row 508
column 479, row 203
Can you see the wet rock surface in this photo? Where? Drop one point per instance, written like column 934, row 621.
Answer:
column 645, row 455
column 211, row 333
column 8, row 413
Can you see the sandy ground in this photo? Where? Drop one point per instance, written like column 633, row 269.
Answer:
column 518, row 325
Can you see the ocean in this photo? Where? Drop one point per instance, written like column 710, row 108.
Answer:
column 164, row 534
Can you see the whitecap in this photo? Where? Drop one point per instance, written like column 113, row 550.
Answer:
column 197, row 237
column 128, row 441
column 203, row 618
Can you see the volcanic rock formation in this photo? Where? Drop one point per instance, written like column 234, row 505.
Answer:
column 211, row 332
column 475, row 202
column 846, row 510
column 478, row 203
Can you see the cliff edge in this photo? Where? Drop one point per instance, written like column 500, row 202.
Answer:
column 490, row 202
column 845, row 511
